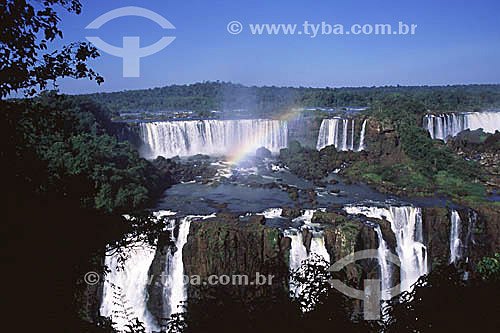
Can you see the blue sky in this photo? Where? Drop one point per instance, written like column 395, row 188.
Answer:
column 456, row 42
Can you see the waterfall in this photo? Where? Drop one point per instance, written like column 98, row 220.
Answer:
column 331, row 134
column 125, row 289
column 298, row 253
column 345, row 123
column 449, row 125
column 407, row 226
column 455, row 251
column 211, row 137
column 272, row 213
column 445, row 125
column 362, row 137
column 352, row 136
column 174, row 290
column 306, row 216
column 318, row 246
column 124, row 293
column 488, row 121
column 469, row 240
column 406, row 223
column 385, row 269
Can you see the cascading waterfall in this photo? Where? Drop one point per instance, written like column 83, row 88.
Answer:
column 125, row 289
column 335, row 132
column 306, row 216
column 272, row 213
column 362, row 137
column 211, row 137
column 449, row 125
column 455, row 243
column 298, row 254
column 174, row 290
column 352, row 136
column 469, row 240
column 124, row 292
column 298, row 251
column 443, row 126
column 345, row 123
column 406, row 223
column 488, row 121
column 385, row 268
column 318, row 246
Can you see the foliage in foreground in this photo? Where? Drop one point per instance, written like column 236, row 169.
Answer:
column 441, row 301
column 68, row 183
column 27, row 28
column 62, row 149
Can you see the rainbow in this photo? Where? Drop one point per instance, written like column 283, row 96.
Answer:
column 241, row 151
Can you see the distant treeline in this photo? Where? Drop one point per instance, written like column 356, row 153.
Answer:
column 228, row 96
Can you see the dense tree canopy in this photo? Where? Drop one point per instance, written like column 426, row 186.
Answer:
column 228, row 96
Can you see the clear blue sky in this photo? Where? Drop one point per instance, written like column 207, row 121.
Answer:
column 456, row 42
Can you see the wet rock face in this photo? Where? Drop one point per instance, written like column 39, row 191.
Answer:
column 382, row 141
column 484, row 232
column 345, row 235
column 436, row 234
column 314, row 165
column 491, row 218
column 126, row 132
column 262, row 152
column 226, row 246
column 176, row 171
column 156, row 300
column 304, row 130
column 479, row 233
column 88, row 298
column 290, row 212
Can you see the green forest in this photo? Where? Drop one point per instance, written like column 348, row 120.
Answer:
column 208, row 96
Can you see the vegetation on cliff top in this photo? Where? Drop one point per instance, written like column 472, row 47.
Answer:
column 229, row 96
column 428, row 167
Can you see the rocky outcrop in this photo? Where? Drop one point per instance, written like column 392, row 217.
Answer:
column 314, row 165
column 381, row 139
column 262, row 152
column 484, row 230
column 345, row 235
column 305, row 130
column 176, row 170
column 484, row 148
column 436, row 234
column 88, row 298
column 224, row 245
column 125, row 131
column 156, row 300
column 479, row 233
column 290, row 212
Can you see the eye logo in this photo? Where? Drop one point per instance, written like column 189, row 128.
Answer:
column 131, row 52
